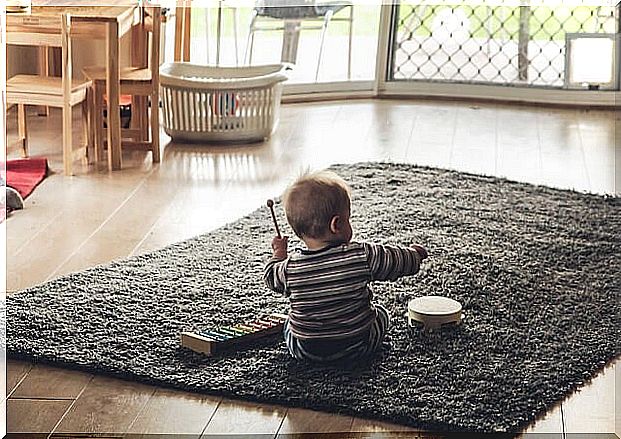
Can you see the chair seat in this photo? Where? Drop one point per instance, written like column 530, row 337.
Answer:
column 128, row 74
column 301, row 12
column 43, row 90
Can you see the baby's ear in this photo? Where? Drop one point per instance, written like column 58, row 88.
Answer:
column 335, row 224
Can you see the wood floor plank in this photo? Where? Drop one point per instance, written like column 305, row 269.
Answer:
column 106, row 405
column 592, row 408
column 16, row 371
column 550, row 424
column 429, row 145
column 520, row 161
column 309, row 421
column 93, row 203
column 23, row 230
column 389, row 135
column 212, row 209
column 561, row 149
column 600, row 148
column 51, row 382
column 372, row 426
column 173, row 412
column 124, row 229
column 245, row 418
column 34, row 415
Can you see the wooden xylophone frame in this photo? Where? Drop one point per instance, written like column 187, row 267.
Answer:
column 212, row 341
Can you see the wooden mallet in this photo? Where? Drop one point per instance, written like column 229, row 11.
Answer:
column 270, row 204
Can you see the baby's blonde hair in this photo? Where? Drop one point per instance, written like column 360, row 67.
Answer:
column 313, row 200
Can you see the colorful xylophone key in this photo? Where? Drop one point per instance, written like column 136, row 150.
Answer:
column 214, row 340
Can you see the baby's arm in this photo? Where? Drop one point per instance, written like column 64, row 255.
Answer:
column 274, row 272
column 390, row 262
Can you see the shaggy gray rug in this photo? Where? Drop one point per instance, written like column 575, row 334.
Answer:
column 537, row 270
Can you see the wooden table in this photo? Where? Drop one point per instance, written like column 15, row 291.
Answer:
column 109, row 23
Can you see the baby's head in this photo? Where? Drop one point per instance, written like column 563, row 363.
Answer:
column 318, row 208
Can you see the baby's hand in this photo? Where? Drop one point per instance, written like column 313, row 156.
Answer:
column 279, row 247
column 422, row 251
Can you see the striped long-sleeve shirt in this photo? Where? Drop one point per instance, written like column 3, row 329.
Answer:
column 328, row 289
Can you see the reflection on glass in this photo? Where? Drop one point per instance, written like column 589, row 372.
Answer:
column 268, row 45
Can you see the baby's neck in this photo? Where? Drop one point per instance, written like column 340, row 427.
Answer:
column 318, row 244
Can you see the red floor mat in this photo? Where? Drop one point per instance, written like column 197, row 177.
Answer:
column 24, row 175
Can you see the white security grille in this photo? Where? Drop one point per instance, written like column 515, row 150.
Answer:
column 503, row 43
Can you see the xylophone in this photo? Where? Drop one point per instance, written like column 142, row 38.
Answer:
column 215, row 340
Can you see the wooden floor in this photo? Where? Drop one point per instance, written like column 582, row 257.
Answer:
column 73, row 223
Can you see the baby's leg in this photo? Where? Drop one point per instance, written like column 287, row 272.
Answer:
column 298, row 351
column 293, row 344
column 379, row 328
column 290, row 340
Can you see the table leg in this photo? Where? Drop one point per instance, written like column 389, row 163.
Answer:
column 187, row 33
column 207, row 26
column 112, row 92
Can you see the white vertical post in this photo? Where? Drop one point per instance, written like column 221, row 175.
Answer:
column 383, row 46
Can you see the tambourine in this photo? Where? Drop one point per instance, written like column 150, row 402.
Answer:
column 434, row 312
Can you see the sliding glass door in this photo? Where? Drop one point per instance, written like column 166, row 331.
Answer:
column 519, row 50
column 543, row 45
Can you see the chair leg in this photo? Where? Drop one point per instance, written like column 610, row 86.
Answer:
column 235, row 20
column 140, row 118
column 326, row 20
column 155, row 127
column 97, row 117
column 86, row 125
column 144, row 115
column 351, row 32
column 218, row 32
column 135, row 121
column 207, row 26
column 250, row 41
column 22, row 128
column 67, row 140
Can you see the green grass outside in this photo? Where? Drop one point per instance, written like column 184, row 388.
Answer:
column 546, row 23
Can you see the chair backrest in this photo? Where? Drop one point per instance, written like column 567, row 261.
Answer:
column 26, row 30
column 43, row 31
column 155, row 13
column 151, row 24
column 286, row 9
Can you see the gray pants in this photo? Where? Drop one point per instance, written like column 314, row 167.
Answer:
column 360, row 347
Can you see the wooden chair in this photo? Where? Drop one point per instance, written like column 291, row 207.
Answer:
column 139, row 82
column 60, row 92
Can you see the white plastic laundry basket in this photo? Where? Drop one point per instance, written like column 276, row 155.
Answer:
column 221, row 104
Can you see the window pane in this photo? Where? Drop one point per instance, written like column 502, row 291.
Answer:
column 267, row 47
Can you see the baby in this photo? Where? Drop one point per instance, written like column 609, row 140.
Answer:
column 332, row 316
